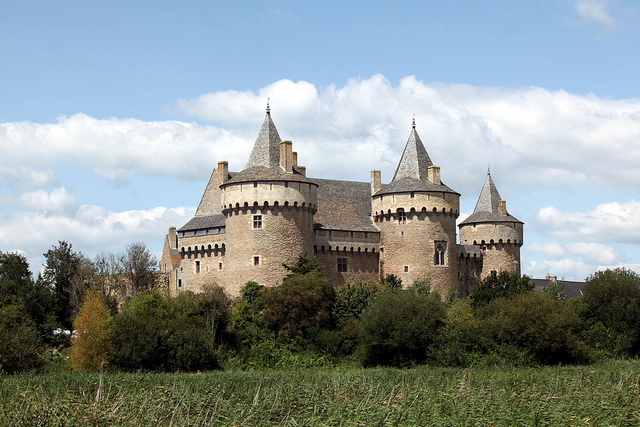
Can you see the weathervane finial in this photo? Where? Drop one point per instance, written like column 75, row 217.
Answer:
column 268, row 109
column 413, row 124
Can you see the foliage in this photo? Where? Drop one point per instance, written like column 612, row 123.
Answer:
column 92, row 346
column 156, row 333
column 351, row 300
column 304, row 265
column 506, row 284
column 251, row 292
column 611, row 301
column 533, row 328
column 19, row 340
column 398, row 329
column 67, row 272
column 391, row 282
column 138, row 265
column 301, row 304
column 555, row 290
column 421, row 286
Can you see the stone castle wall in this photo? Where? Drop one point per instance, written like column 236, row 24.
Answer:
column 408, row 247
column 499, row 243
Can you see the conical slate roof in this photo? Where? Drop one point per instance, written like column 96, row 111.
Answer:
column 412, row 173
column 266, row 150
column 488, row 206
column 415, row 160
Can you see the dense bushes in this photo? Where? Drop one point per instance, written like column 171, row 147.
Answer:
column 307, row 322
column 398, row 329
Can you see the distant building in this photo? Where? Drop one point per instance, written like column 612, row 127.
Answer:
column 572, row 289
column 249, row 223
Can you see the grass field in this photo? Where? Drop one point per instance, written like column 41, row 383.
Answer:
column 601, row 395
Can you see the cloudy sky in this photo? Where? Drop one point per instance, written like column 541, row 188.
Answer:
column 114, row 113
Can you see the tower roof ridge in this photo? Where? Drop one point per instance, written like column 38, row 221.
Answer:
column 415, row 160
column 266, row 149
column 489, row 200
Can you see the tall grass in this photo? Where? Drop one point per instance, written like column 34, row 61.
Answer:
column 599, row 395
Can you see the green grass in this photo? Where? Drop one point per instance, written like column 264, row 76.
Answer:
column 599, row 395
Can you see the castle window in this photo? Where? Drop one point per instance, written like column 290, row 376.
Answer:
column 219, row 266
column 402, row 216
column 197, row 267
column 406, row 268
column 257, row 222
column 342, row 265
column 179, row 283
column 256, row 260
column 255, row 184
column 413, row 194
column 439, row 258
column 286, row 184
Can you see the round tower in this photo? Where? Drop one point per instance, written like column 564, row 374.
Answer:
column 268, row 209
column 416, row 214
column 498, row 234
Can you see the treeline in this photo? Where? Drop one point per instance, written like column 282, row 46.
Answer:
column 39, row 313
column 307, row 322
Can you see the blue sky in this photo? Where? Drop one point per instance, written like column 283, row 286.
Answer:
column 114, row 113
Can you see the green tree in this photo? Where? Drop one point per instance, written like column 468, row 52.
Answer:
column 304, row 265
column 139, row 266
column 65, row 271
column 505, row 284
column 92, row 346
column 351, row 300
column 19, row 340
column 301, row 304
column 611, row 311
column 399, row 328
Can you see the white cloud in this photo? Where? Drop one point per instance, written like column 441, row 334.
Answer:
column 91, row 229
column 59, row 200
column 610, row 222
column 595, row 13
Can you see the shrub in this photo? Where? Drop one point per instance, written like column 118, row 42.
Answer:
column 92, row 346
column 301, row 304
column 506, row 284
column 351, row 300
column 19, row 340
column 611, row 311
column 398, row 329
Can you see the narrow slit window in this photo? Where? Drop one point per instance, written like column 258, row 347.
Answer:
column 256, row 260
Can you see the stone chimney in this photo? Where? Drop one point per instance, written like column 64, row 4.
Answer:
column 376, row 181
column 223, row 171
column 295, row 159
column 173, row 239
column 302, row 170
column 502, row 207
column 286, row 156
column 434, row 174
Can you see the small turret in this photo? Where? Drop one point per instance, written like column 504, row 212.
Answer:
column 498, row 234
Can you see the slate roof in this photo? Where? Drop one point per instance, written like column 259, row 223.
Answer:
column 266, row 150
column 488, row 206
column 415, row 160
column 344, row 205
column 261, row 173
column 412, row 173
column 408, row 184
column 204, row 221
column 571, row 289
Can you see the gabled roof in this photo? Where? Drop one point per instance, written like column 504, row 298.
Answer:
column 344, row 205
column 415, row 160
column 202, row 222
column 266, row 150
column 488, row 206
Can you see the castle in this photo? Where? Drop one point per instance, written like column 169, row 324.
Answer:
column 249, row 223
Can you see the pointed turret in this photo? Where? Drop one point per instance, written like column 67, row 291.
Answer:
column 415, row 161
column 490, row 206
column 266, row 150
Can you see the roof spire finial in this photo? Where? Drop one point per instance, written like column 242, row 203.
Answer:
column 489, row 169
column 413, row 124
column 268, row 109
